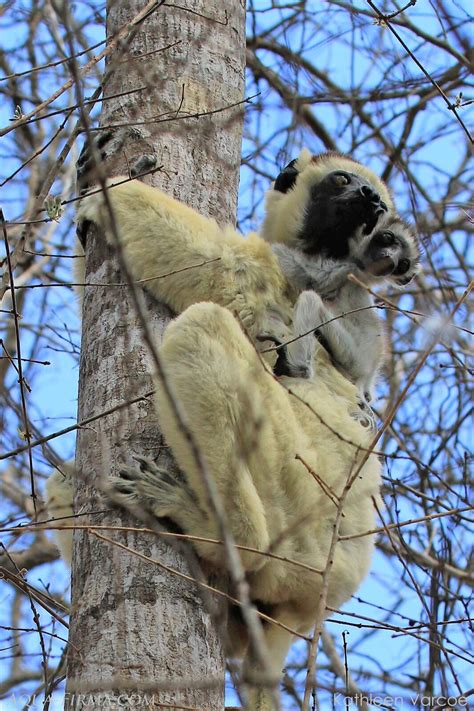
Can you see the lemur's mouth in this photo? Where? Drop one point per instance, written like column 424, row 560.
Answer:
column 357, row 213
column 382, row 267
column 372, row 221
column 403, row 281
column 330, row 221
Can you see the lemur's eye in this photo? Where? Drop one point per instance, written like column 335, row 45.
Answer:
column 386, row 238
column 403, row 267
column 340, row 180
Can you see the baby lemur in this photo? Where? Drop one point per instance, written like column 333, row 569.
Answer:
column 340, row 313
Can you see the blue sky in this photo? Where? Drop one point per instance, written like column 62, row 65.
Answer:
column 53, row 401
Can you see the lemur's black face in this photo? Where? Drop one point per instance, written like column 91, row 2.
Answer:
column 392, row 252
column 340, row 203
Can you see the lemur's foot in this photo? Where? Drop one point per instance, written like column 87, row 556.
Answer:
column 299, row 371
column 283, row 365
column 152, row 488
column 365, row 416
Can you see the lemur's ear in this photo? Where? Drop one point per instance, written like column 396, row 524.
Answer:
column 286, row 179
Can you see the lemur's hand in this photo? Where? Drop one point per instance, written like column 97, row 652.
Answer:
column 282, row 364
column 107, row 143
column 91, row 172
column 92, row 155
column 365, row 416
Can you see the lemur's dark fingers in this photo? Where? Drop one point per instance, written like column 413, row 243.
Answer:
column 143, row 164
column 99, row 142
column 88, row 159
column 95, row 152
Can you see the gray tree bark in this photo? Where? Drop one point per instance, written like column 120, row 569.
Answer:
column 136, row 630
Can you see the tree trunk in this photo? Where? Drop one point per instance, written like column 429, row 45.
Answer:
column 136, row 630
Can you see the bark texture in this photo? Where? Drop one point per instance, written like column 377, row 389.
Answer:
column 136, row 630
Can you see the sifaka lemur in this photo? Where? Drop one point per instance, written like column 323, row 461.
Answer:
column 261, row 436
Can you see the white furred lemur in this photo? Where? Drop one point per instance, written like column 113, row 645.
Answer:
column 261, row 442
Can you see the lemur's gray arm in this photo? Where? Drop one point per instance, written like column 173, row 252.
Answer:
column 317, row 273
column 344, row 348
column 310, row 313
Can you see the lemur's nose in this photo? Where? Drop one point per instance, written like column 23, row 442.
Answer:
column 369, row 194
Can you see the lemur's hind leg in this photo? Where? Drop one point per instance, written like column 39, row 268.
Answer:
column 313, row 319
column 335, row 336
column 239, row 418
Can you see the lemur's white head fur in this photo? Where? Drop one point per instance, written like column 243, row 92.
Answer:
column 287, row 209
